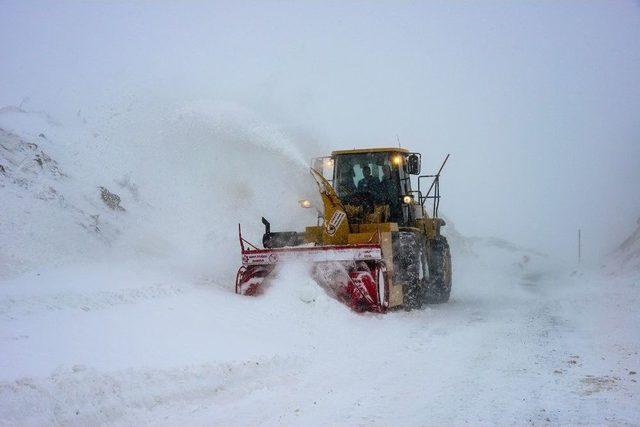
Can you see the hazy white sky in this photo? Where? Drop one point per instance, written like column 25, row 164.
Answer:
column 536, row 101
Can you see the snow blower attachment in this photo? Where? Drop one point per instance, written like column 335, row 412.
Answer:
column 376, row 247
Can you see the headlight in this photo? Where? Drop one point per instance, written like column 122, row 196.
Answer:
column 407, row 200
column 304, row 203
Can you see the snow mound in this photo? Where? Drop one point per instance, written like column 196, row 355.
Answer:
column 49, row 219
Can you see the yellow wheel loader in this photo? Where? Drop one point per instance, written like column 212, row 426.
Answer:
column 375, row 246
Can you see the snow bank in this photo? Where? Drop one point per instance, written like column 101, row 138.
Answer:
column 626, row 257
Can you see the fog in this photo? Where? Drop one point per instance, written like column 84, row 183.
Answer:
column 537, row 102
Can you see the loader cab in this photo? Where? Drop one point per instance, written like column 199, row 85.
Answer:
column 375, row 179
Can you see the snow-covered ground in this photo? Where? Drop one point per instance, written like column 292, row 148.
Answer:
column 128, row 317
column 129, row 343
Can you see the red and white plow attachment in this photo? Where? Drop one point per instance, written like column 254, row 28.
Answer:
column 355, row 274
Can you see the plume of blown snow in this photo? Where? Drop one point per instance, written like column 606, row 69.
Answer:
column 186, row 174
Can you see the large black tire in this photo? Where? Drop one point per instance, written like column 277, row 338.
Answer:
column 410, row 266
column 438, row 287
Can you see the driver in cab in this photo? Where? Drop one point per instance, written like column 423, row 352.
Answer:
column 346, row 185
column 369, row 183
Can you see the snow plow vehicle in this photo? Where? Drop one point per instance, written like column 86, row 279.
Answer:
column 375, row 245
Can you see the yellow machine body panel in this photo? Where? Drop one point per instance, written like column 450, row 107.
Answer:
column 336, row 225
column 362, row 238
column 313, row 234
column 374, row 227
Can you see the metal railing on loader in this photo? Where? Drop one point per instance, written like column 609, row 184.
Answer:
column 435, row 187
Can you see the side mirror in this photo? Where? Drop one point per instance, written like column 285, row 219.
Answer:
column 413, row 164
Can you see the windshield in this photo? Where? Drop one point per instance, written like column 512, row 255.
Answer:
column 367, row 173
column 377, row 178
